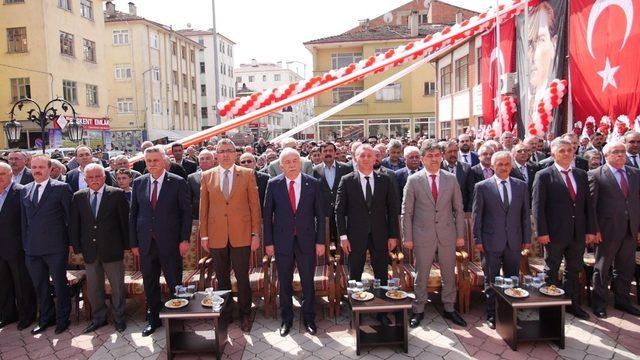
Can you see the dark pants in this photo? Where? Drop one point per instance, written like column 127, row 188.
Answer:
column 619, row 253
column 151, row 265
column 379, row 262
column 573, row 252
column 509, row 261
column 41, row 268
column 306, row 264
column 237, row 258
column 17, row 296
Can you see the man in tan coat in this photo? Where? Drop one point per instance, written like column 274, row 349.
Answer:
column 230, row 223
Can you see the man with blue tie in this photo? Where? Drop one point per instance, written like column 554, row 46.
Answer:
column 466, row 155
column 159, row 229
column 45, row 237
column 632, row 142
column 294, row 230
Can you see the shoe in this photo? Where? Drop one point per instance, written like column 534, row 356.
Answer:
column 491, row 322
column 600, row 314
column 93, row 327
column 62, row 328
column 630, row 309
column 285, row 328
column 455, row 318
column 4, row 323
column 150, row 329
column 24, row 324
column 41, row 328
column 121, row 326
column 311, row 327
column 383, row 319
column 245, row 324
column 578, row 312
column 415, row 320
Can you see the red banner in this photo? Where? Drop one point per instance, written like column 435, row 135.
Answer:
column 496, row 60
column 603, row 58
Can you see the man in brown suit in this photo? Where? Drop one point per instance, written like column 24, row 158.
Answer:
column 230, row 223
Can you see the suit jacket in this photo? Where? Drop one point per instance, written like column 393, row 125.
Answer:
column 10, row 217
column 629, row 162
column 140, row 166
column 106, row 236
column 193, row 181
column 386, row 162
column 73, row 179
column 532, row 169
column 189, row 166
column 357, row 221
column 169, row 223
column 401, row 177
column 537, row 156
column 555, row 213
column 496, row 227
column 274, row 169
column 477, row 173
column 174, row 169
column 27, row 177
column 465, row 181
column 581, row 163
column 614, row 214
column 231, row 220
column 329, row 193
column 394, row 182
column 45, row 225
column 427, row 222
column 261, row 179
column 281, row 223
column 475, row 160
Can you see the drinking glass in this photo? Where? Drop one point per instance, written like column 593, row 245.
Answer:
column 395, row 284
column 528, row 279
column 351, row 286
column 543, row 276
column 179, row 290
column 366, row 284
column 537, row 282
column 508, row 283
column 191, row 289
column 516, row 281
column 499, row 281
column 359, row 286
column 376, row 284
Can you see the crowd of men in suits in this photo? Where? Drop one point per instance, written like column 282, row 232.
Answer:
column 377, row 196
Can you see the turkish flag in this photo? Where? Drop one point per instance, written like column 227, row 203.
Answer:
column 603, row 58
column 493, row 60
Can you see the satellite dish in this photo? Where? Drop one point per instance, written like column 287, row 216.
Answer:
column 388, row 18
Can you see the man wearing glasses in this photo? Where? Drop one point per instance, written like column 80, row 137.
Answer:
column 522, row 169
column 248, row 161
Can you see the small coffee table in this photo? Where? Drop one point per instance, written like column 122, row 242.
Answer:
column 180, row 341
column 548, row 327
column 380, row 335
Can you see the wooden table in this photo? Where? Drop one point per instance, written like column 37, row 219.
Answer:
column 380, row 335
column 548, row 327
column 180, row 341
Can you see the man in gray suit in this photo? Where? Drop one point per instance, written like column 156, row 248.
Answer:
column 433, row 221
column 501, row 225
column 615, row 191
column 274, row 169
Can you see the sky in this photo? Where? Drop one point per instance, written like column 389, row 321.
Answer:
column 273, row 30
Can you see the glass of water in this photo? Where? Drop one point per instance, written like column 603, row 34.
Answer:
column 376, row 283
column 508, row 283
column 498, row 281
column 516, row 281
column 528, row 279
column 543, row 276
column 351, row 287
column 537, row 282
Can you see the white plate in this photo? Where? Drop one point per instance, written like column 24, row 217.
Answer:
column 509, row 292
column 545, row 291
column 402, row 295
column 176, row 303
column 367, row 296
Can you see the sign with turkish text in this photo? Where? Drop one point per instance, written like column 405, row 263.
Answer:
column 88, row 123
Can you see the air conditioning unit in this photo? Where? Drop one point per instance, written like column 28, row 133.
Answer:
column 508, row 83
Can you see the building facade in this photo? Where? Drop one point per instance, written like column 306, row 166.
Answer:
column 206, row 67
column 405, row 108
column 54, row 48
column 154, row 82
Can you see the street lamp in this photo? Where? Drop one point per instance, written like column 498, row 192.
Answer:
column 42, row 118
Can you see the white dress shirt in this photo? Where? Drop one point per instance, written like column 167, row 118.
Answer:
column 573, row 180
column 159, row 180
column 330, row 174
column 43, row 185
column 363, row 183
column 462, row 155
column 499, row 185
column 297, row 186
column 437, row 180
column 100, row 192
column 17, row 178
column 221, row 171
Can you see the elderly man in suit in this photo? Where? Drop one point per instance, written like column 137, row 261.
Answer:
column 632, row 142
column 483, row 170
column 522, row 169
column 205, row 159
column 99, row 229
column 17, row 297
column 563, row 218
column 433, row 222
column 159, row 229
column 274, row 169
column 45, row 238
column 248, row 161
column 21, row 173
column 413, row 165
column 615, row 190
column 501, row 225
column 578, row 162
column 75, row 177
column 230, row 223
column 294, row 230
column 535, row 144
column 461, row 170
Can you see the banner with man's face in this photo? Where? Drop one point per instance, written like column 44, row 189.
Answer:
column 541, row 48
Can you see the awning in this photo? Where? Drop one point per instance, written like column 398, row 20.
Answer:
column 171, row 135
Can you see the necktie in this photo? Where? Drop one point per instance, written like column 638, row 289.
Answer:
column 487, row 173
column 368, row 196
column 225, row 185
column 523, row 170
column 465, row 158
column 413, row 172
column 505, row 194
column 94, row 204
column 292, row 196
column 635, row 161
column 34, row 197
column 154, row 195
column 434, row 188
column 567, row 179
column 623, row 183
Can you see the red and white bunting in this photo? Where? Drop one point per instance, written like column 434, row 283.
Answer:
column 551, row 100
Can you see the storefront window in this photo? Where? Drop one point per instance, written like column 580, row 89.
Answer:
column 425, row 127
column 399, row 128
column 445, row 130
column 461, row 126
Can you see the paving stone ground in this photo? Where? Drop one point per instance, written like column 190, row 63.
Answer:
column 617, row 337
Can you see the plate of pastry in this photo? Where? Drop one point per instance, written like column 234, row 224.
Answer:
column 176, row 303
column 517, row 293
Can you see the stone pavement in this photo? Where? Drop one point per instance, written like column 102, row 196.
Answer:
column 617, row 337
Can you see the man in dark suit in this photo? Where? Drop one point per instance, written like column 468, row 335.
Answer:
column 522, row 169
column 99, row 229
column 45, row 239
column 205, row 159
column 413, row 165
column 21, row 174
column 159, row 229
column 178, row 155
column 367, row 210
column 578, row 162
column 461, row 170
column 294, row 230
column 75, row 177
column 632, row 142
column 140, row 165
column 483, row 170
column 248, row 160
column 564, row 220
column 501, row 225
column 17, row 297
column 615, row 190
column 466, row 155
column 535, row 143
column 329, row 173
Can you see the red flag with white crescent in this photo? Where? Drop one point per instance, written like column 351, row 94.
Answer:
column 603, row 58
column 496, row 59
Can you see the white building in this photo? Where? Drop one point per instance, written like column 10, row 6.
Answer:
column 260, row 76
column 206, row 66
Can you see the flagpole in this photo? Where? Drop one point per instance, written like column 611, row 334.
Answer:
column 499, row 48
column 569, row 100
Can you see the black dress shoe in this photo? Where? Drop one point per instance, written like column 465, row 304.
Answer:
column 94, row 326
column 4, row 323
column 62, row 328
column 491, row 322
column 311, row 327
column 383, row 319
column 24, row 324
column 150, row 329
column 578, row 312
column 416, row 319
column 630, row 309
column 245, row 323
column 285, row 328
column 41, row 328
column 455, row 318
column 121, row 326
column 600, row 314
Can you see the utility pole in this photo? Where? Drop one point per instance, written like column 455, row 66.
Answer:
column 216, row 67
